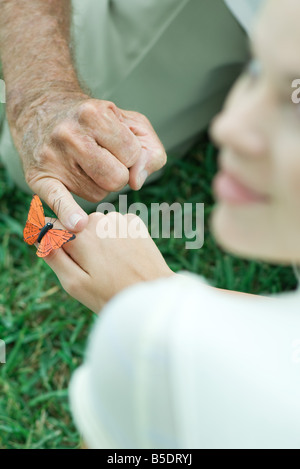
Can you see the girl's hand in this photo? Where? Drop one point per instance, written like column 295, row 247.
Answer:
column 106, row 257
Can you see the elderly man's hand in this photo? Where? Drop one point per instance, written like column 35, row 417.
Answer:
column 69, row 142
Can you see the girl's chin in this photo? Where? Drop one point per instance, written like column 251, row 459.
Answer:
column 232, row 233
column 251, row 235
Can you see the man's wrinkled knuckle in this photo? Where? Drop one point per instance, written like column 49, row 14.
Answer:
column 91, row 194
column 117, row 182
column 87, row 110
column 106, row 118
column 132, row 151
column 109, row 105
column 157, row 161
column 103, row 107
column 61, row 131
column 136, row 152
column 129, row 158
column 128, row 139
column 161, row 157
column 113, row 178
column 44, row 155
column 87, row 147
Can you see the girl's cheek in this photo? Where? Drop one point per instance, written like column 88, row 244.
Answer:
column 289, row 183
column 285, row 155
column 294, row 184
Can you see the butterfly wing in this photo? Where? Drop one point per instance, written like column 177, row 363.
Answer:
column 60, row 237
column 54, row 239
column 36, row 213
column 45, row 246
column 31, row 233
column 35, row 220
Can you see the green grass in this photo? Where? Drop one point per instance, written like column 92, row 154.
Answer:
column 46, row 331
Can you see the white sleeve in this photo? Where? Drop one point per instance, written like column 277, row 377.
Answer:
column 127, row 371
column 177, row 364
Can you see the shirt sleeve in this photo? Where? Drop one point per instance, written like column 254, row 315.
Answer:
column 120, row 396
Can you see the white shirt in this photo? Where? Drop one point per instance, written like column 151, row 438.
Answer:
column 177, row 364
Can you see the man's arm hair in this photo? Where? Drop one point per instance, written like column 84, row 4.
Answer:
column 35, row 51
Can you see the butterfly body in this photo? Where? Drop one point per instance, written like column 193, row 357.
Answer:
column 44, row 230
column 38, row 231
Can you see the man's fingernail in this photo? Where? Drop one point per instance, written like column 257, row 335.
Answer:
column 74, row 219
column 142, row 177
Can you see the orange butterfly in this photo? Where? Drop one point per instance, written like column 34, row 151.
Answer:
column 37, row 230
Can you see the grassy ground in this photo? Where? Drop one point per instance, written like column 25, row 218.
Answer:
column 45, row 330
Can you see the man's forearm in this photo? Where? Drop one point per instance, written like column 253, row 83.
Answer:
column 35, row 53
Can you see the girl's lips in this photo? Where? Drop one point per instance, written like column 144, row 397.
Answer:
column 228, row 189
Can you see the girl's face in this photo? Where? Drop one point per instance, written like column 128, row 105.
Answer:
column 258, row 187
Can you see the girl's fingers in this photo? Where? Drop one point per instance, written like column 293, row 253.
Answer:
column 83, row 249
column 86, row 246
column 61, row 263
column 64, row 267
column 76, row 250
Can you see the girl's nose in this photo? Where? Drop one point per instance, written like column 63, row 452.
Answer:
column 241, row 126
